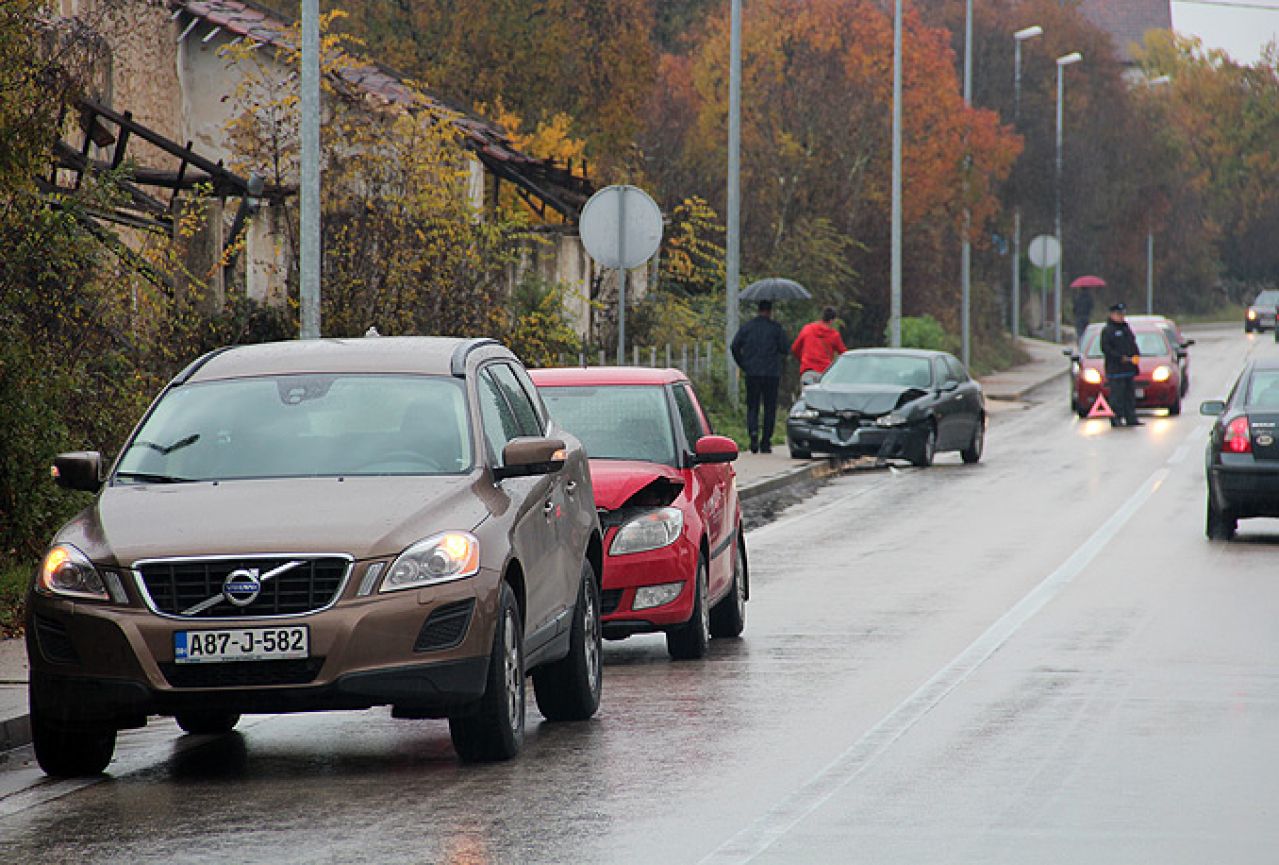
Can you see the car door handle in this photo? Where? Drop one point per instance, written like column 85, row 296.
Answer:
column 549, row 507
column 570, row 487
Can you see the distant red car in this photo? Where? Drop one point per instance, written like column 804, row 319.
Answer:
column 675, row 555
column 1158, row 379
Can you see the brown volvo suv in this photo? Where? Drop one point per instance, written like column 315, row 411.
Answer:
column 328, row 524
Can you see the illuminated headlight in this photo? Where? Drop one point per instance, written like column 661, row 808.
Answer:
column 891, row 419
column 1092, row 376
column 647, row 597
column 1252, row 315
column 441, row 559
column 1161, row 373
column 802, row 412
column 650, row 531
column 68, row 572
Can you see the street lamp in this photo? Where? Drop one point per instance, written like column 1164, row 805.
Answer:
column 1018, row 37
column 732, row 239
column 1062, row 63
column 1150, row 229
column 966, row 252
column 895, row 287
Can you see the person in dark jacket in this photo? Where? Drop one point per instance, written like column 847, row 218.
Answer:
column 1083, row 312
column 1119, row 347
column 759, row 347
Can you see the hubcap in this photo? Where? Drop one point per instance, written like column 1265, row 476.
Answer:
column 980, row 440
column 703, row 608
column 513, row 674
column 739, row 587
column 591, row 633
column 930, row 445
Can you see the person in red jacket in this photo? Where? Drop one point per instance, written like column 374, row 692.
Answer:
column 817, row 346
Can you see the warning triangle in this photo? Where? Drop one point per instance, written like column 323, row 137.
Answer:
column 1101, row 408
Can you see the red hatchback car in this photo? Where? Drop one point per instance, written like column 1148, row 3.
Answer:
column 1158, row 379
column 675, row 555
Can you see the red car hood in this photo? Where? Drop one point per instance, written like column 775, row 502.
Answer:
column 1146, row 364
column 615, row 481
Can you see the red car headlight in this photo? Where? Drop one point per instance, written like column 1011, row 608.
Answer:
column 1161, row 373
column 1092, row 376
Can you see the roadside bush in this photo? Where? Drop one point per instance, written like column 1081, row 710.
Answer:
column 926, row 332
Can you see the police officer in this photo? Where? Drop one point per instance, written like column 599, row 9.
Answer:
column 1119, row 347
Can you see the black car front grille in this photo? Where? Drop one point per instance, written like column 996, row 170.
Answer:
column 610, row 599
column 445, row 627
column 175, row 587
column 243, row 674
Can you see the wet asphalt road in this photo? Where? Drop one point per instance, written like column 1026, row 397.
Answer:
column 1037, row 659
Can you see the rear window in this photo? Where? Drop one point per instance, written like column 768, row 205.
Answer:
column 1263, row 388
column 631, row 422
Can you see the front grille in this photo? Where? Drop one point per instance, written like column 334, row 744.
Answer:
column 243, row 674
column 445, row 627
column 55, row 643
column 177, row 586
column 610, row 599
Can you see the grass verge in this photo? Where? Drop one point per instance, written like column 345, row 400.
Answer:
column 13, row 592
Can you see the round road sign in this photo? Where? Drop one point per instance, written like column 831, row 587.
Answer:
column 621, row 227
column 1044, row 251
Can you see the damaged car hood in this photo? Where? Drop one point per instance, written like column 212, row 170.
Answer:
column 617, row 482
column 867, row 399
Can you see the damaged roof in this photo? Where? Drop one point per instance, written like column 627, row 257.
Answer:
column 553, row 184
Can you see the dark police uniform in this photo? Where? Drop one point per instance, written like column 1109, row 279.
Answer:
column 1119, row 347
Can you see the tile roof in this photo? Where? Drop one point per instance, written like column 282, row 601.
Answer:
column 1127, row 21
column 555, row 185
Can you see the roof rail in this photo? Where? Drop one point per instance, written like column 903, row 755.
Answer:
column 195, row 365
column 457, row 366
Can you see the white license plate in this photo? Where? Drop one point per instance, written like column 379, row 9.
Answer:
column 1141, row 393
column 240, row 644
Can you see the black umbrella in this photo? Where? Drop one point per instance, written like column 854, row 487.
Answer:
column 774, row 288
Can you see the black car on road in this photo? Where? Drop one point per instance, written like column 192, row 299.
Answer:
column 1243, row 450
column 893, row 404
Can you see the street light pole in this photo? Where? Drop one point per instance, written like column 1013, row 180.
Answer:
column 1019, row 37
column 1062, row 63
column 966, row 252
column 733, row 239
column 895, row 290
column 309, row 239
column 1150, row 229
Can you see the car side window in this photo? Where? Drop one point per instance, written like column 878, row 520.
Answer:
column 941, row 373
column 530, row 391
column 957, row 371
column 500, row 423
column 526, row 415
column 689, row 417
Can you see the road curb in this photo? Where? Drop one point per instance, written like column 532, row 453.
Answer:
column 811, row 471
column 15, row 732
column 1018, row 396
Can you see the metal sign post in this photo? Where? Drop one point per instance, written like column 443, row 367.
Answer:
column 621, row 228
column 1044, row 253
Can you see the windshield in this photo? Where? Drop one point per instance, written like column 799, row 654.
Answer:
column 303, row 426
column 616, row 423
column 1150, row 343
column 899, row 370
column 1267, row 298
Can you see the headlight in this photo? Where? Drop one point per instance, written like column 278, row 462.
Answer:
column 802, row 412
column 650, row 531
column 1252, row 314
column 1092, row 376
column 1161, row 373
column 647, row 597
column 441, row 559
column 68, row 572
column 893, row 418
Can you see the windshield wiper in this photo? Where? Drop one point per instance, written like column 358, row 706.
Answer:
column 166, row 450
column 149, row 478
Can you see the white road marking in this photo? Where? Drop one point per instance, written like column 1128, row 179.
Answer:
column 761, row 834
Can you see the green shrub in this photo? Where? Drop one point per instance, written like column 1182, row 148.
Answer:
column 926, row 332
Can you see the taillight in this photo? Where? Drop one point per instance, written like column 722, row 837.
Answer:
column 1238, row 440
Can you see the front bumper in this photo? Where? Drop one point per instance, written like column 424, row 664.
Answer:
column 853, row 438
column 624, row 574
column 1162, row 394
column 95, row 661
column 1244, row 487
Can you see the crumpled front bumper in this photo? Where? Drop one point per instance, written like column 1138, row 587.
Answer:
column 855, row 439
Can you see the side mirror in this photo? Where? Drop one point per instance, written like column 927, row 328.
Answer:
column 1212, row 408
column 715, row 449
column 78, row 470
column 948, row 386
column 524, row 457
column 1187, row 343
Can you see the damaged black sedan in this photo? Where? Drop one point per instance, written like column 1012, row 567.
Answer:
column 904, row 404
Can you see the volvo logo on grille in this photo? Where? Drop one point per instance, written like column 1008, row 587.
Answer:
column 242, row 587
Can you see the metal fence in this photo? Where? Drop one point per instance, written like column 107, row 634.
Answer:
column 696, row 360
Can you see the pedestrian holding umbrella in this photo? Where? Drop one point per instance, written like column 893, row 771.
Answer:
column 1083, row 303
column 774, row 288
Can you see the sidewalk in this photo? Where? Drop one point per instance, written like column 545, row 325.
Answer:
column 757, row 475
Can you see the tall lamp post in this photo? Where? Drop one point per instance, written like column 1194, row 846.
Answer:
column 1019, row 37
column 309, row 239
column 1062, row 63
column 1150, row 229
column 895, row 289
column 733, row 239
column 966, row 251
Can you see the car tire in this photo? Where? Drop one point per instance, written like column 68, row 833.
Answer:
column 494, row 729
column 1082, row 410
column 799, row 453
column 1175, row 409
column 569, row 689
column 923, row 458
column 728, row 617
column 71, row 750
column 689, row 641
column 207, row 723
column 1221, row 524
column 972, row 453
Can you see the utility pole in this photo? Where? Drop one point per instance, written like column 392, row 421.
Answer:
column 895, row 290
column 733, row 240
column 966, row 252
column 1019, row 37
column 1062, row 63
column 309, row 242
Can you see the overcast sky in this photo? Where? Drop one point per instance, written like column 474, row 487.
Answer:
column 1238, row 26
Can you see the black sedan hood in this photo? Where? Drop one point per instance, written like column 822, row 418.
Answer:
column 867, row 399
